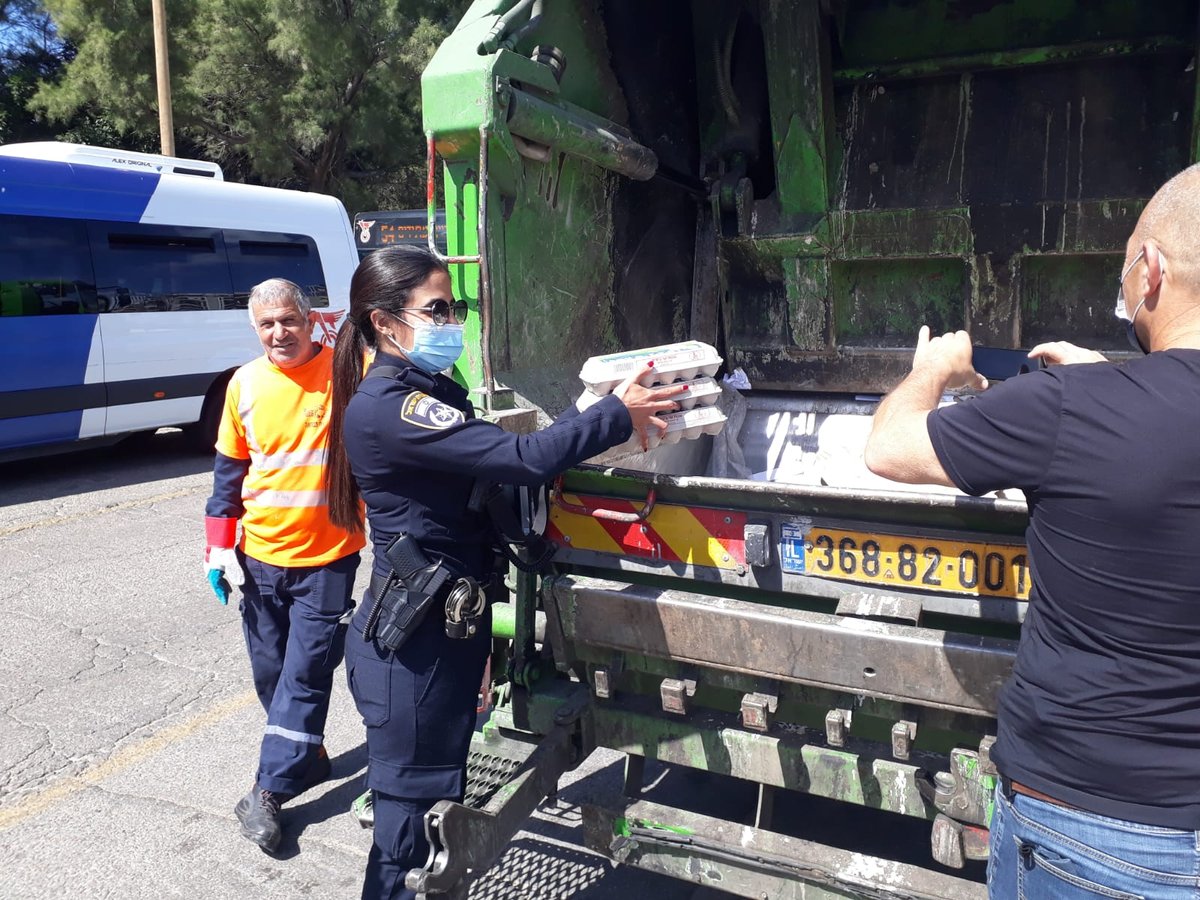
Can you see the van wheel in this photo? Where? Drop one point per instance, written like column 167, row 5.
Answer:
column 203, row 434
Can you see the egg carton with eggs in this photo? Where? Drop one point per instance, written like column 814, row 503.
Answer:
column 682, row 425
column 702, row 391
column 682, row 361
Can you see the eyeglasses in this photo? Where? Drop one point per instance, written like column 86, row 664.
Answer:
column 441, row 310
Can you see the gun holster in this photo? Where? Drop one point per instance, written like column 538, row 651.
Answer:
column 404, row 597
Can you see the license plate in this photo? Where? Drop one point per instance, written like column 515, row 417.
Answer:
column 957, row 567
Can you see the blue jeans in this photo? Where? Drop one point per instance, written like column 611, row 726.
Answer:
column 1041, row 851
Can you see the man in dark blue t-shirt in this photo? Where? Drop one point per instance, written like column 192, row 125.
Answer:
column 1098, row 741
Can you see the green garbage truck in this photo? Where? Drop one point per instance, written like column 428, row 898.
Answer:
column 799, row 185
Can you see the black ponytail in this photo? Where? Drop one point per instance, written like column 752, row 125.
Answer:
column 340, row 488
column 383, row 281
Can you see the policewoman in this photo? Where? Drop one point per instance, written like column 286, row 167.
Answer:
column 404, row 438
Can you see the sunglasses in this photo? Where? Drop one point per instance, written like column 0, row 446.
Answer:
column 441, row 311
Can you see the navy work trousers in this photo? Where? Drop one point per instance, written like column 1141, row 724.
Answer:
column 292, row 619
column 419, row 708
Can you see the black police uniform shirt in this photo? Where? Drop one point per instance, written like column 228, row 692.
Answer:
column 1103, row 707
column 416, row 451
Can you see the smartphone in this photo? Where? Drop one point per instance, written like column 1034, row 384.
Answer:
column 999, row 363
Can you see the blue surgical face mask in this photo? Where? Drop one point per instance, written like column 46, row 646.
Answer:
column 435, row 347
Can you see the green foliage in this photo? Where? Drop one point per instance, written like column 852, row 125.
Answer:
column 18, row 81
column 28, row 52
column 31, row 54
column 302, row 93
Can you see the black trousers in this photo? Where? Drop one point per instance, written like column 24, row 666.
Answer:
column 418, row 705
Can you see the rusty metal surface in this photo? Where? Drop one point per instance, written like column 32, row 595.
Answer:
column 757, row 710
column 919, row 665
column 948, row 178
column 755, row 863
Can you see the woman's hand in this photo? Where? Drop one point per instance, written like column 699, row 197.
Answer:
column 644, row 404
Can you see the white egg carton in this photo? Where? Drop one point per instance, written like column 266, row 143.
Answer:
column 684, row 361
column 684, row 425
column 702, row 391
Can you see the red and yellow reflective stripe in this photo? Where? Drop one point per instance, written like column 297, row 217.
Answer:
column 693, row 535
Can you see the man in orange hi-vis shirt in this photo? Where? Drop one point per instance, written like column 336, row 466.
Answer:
column 295, row 568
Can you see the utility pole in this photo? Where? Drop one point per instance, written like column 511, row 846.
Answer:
column 166, row 126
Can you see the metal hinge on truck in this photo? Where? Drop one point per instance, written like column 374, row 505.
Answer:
column 465, row 839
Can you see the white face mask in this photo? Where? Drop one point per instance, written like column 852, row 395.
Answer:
column 1121, row 312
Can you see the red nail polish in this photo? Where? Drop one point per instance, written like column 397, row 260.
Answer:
column 650, row 364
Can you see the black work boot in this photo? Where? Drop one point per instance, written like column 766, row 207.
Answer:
column 258, row 812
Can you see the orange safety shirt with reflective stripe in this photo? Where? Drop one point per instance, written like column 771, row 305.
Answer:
column 279, row 420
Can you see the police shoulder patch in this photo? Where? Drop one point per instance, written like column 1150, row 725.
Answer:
column 430, row 413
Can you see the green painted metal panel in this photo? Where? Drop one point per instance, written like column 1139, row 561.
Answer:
column 801, row 114
column 877, row 302
column 462, row 239
column 1000, row 131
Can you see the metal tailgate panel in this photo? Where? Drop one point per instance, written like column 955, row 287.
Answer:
column 920, row 665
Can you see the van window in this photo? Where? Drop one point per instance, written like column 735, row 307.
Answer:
column 45, row 267
column 255, row 256
column 156, row 268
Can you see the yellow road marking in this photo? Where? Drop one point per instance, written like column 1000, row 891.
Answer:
column 122, row 760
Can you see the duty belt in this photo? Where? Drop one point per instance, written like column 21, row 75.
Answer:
column 404, row 597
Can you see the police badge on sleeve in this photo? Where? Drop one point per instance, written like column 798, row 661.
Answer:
column 428, row 412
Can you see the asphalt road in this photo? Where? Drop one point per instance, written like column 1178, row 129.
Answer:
column 129, row 728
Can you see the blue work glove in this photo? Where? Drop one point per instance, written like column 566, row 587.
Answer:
column 216, row 580
column 220, row 559
column 224, row 571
